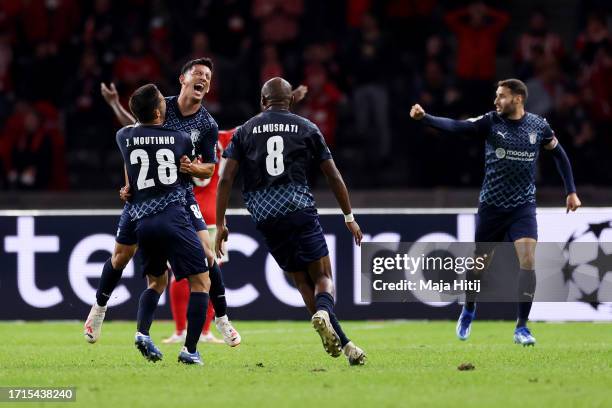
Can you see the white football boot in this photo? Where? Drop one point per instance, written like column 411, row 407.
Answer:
column 93, row 324
column 329, row 337
column 230, row 335
column 354, row 354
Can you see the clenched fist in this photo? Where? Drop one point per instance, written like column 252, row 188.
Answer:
column 417, row 112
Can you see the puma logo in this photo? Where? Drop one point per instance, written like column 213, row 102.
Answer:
column 503, row 135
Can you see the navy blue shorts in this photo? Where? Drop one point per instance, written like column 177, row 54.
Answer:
column 126, row 230
column 495, row 224
column 295, row 240
column 170, row 235
column 192, row 207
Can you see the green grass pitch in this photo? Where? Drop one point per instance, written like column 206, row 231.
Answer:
column 282, row 364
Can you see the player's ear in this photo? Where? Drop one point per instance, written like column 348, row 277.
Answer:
column 181, row 78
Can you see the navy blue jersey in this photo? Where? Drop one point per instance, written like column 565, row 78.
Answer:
column 152, row 158
column 276, row 150
column 511, row 151
column 201, row 126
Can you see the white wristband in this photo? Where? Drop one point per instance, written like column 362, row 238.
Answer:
column 349, row 217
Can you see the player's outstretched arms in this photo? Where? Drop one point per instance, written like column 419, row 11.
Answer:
column 111, row 96
column 564, row 167
column 227, row 174
column 448, row 125
column 196, row 168
column 336, row 183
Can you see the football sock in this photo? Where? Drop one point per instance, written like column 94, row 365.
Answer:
column 336, row 325
column 146, row 307
column 325, row 301
column 196, row 314
column 179, row 298
column 217, row 290
column 108, row 282
column 526, row 292
column 210, row 315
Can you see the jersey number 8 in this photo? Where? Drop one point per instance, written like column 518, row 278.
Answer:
column 274, row 160
column 166, row 169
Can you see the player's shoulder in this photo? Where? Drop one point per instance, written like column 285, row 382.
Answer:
column 487, row 117
column 305, row 126
column 204, row 113
column 307, row 123
column 126, row 130
column 535, row 119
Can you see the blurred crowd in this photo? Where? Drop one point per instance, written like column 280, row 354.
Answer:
column 364, row 62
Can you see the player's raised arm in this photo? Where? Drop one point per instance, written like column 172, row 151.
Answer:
column 227, row 174
column 448, row 125
column 564, row 168
column 299, row 93
column 336, row 183
column 111, row 96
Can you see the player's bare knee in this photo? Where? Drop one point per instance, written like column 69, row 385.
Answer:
column 199, row 282
column 158, row 283
column 324, row 284
column 527, row 261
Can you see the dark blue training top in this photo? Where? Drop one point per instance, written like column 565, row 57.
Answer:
column 152, row 158
column 276, row 150
column 511, row 151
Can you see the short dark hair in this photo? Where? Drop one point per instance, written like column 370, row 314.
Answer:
column 143, row 103
column 516, row 86
column 198, row 61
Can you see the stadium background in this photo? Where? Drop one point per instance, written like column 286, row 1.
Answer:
column 365, row 63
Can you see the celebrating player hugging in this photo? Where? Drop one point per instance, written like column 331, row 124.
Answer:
column 163, row 229
column 276, row 149
column 185, row 113
column 507, row 206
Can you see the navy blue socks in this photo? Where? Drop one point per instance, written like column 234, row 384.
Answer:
column 217, row 290
column 526, row 292
column 146, row 307
column 108, row 282
column 196, row 315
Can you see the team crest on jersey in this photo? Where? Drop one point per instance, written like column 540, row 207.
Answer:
column 533, row 137
column 195, row 134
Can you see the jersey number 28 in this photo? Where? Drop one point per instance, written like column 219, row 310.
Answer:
column 274, row 160
column 166, row 169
